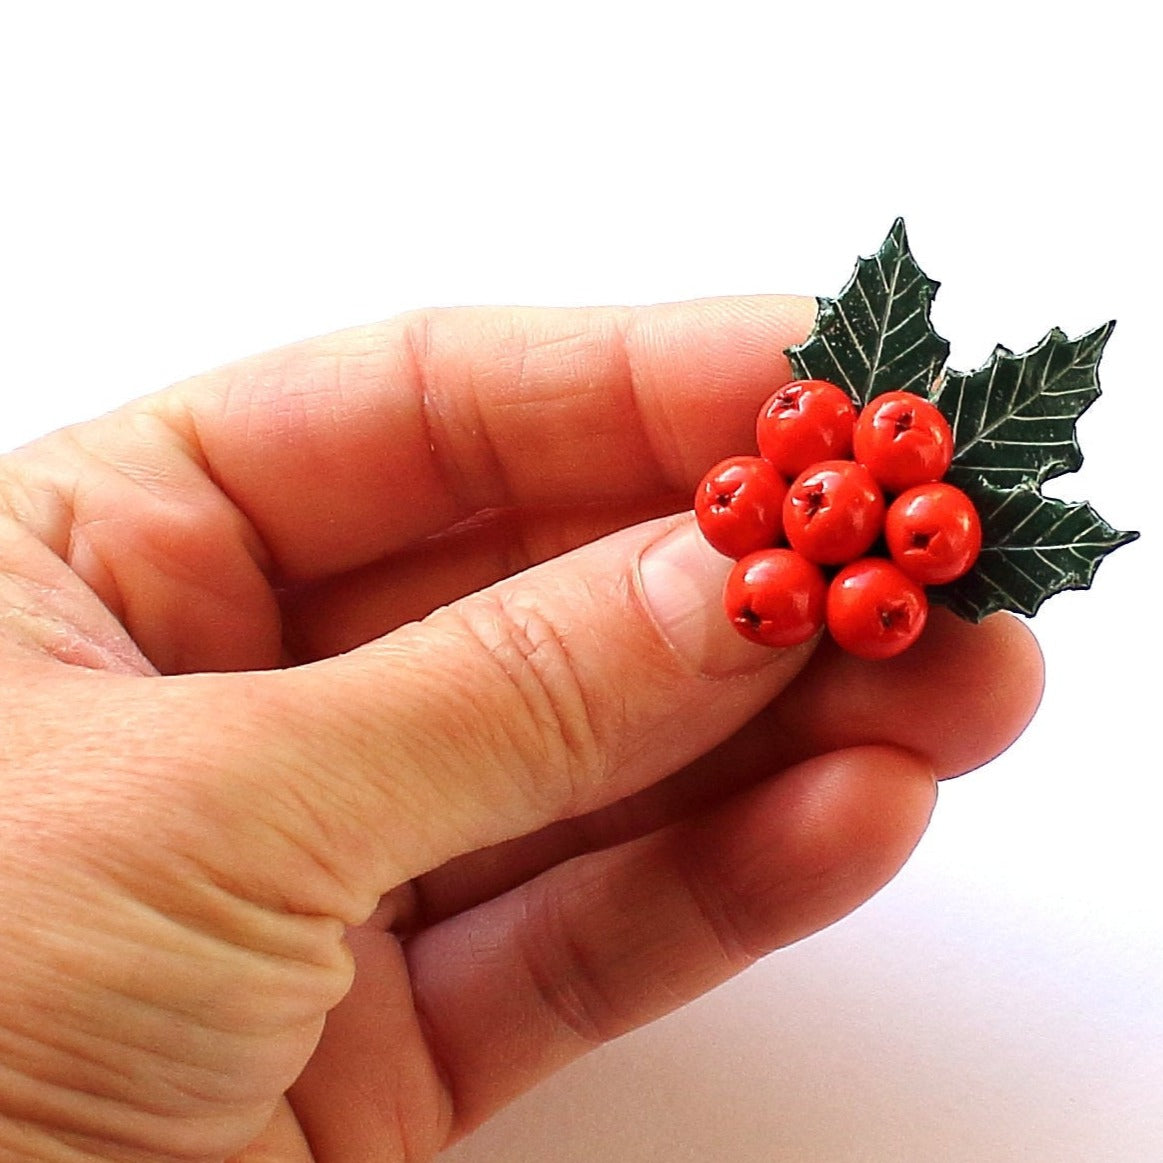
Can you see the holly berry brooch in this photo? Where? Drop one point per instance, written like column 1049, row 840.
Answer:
column 886, row 481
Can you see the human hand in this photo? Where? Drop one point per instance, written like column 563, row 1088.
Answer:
column 291, row 875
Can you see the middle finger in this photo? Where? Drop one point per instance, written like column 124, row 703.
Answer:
column 978, row 685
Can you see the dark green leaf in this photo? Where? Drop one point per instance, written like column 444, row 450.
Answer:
column 1033, row 546
column 1013, row 423
column 876, row 336
column 1013, row 418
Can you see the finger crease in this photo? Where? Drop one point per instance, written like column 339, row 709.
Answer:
column 668, row 468
column 455, row 481
column 720, row 922
column 563, row 980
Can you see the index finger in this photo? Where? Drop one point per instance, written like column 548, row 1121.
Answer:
column 344, row 449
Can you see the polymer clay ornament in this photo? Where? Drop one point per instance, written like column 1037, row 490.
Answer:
column 886, row 482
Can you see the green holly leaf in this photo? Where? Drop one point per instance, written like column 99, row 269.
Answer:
column 1013, row 419
column 1013, row 422
column 876, row 336
column 1032, row 546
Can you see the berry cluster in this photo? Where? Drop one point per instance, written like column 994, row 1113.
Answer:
column 865, row 524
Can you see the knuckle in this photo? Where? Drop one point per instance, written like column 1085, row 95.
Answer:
column 570, row 981
column 540, row 708
column 452, row 415
column 725, row 912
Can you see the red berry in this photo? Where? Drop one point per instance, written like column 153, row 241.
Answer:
column 776, row 597
column 933, row 533
column 739, row 505
column 833, row 512
column 804, row 422
column 903, row 440
column 873, row 610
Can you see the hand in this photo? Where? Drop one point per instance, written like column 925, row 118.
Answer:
column 291, row 875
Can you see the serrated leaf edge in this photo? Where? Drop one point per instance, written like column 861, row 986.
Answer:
column 947, row 595
column 1077, row 579
column 1071, row 459
column 828, row 308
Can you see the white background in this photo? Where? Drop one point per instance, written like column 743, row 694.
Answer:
column 181, row 185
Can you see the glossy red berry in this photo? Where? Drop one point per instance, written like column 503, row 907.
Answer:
column 903, row 440
column 776, row 597
column 739, row 505
column 804, row 422
column 933, row 533
column 833, row 512
column 873, row 610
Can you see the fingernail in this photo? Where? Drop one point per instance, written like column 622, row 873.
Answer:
column 681, row 580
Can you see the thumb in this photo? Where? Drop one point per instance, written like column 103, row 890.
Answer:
column 545, row 696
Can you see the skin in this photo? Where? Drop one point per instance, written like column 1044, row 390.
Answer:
column 374, row 744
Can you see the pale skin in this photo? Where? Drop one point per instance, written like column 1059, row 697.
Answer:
column 373, row 745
